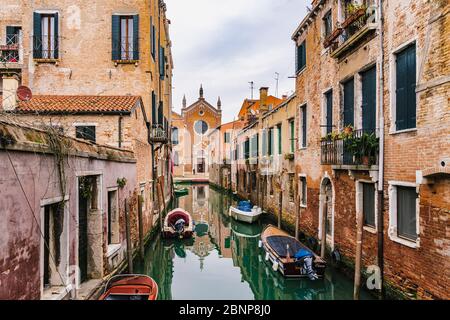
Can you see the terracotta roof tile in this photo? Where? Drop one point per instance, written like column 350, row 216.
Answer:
column 78, row 104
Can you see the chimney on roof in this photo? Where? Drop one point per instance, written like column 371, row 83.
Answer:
column 284, row 97
column 219, row 104
column 9, row 100
column 263, row 94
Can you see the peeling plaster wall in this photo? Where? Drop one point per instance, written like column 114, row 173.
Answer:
column 20, row 238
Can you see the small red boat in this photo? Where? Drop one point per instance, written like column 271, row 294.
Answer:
column 130, row 287
column 178, row 224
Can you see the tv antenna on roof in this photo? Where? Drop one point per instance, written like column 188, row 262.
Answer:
column 277, row 79
column 252, row 86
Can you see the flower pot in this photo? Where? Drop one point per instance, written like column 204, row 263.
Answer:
column 365, row 160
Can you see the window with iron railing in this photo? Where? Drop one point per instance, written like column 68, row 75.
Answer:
column 46, row 36
column 125, row 38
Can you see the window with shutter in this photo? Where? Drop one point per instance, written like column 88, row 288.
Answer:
column 406, row 88
column 369, row 204
column 300, row 56
column 406, row 212
column 349, row 102
column 304, row 128
column 46, row 36
column 280, row 146
column 292, row 132
column 329, row 111
column 264, row 143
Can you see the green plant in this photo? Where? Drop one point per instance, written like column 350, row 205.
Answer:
column 289, row 156
column 366, row 145
column 354, row 7
column 121, row 182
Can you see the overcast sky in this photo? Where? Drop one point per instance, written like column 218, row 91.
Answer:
column 226, row 44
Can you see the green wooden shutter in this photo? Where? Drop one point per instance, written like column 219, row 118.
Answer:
column 329, row 101
column 304, row 123
column 154, row 119
column 37, row 36
column 162, row 62
column 280, row 146
column 349, row 102
column 115, row 35
column 153, row 41
column 136, row 37
column 406, row 89
column 56, row 52
column 369, row 99
column 411, row 86
column 292, row 127
column 303, row 54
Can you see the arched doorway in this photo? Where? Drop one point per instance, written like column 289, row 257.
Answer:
column 326, row 207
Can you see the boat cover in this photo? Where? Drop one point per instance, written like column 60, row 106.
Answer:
column 279, row 245
column 245, row 206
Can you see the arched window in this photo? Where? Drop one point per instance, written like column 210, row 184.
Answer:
column 175, row 140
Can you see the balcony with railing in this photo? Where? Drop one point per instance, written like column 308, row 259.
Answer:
column 158, row 134
column 10, row 56
column 358, row 25
column 125, row 51
column 351, row 149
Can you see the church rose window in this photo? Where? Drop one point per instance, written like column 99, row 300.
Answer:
column 201, row 127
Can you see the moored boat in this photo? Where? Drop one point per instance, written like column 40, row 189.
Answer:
column 130, row 287
column 180, row 192
column 245, row 212
column 289, row 256
column 178, row 223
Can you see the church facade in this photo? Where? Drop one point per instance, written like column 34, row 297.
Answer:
column 190, row 135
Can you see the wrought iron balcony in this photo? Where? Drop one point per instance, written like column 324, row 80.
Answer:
column 125, row 51
column 9, row 52
column 158, row 134
column 357, row 27
column 352, row 148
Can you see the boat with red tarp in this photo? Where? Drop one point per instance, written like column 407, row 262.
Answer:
column 178, row 224
column 130, row 287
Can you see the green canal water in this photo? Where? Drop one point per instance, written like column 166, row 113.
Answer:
column 223, row 260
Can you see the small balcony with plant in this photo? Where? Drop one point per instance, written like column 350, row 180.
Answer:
column 10, row 56
column 351, row 148
column 158, row 134
column 358, row 23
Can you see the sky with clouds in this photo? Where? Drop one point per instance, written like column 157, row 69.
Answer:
column 226, row 44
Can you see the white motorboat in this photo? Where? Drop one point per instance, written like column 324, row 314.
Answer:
column 245, row 212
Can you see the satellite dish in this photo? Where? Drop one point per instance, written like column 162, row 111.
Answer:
column 24, row 93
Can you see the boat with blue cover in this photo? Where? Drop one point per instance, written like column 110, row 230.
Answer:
column 245, row 212
column 289, row 256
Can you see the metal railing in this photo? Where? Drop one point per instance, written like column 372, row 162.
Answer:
column 9, row 53
column 158, row 134
column 125, row 49
column 356, row 148
column 45, row 47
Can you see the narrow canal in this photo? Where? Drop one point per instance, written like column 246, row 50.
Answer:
column 223, row 260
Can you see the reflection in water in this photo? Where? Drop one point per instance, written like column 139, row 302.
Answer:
column 223, row 261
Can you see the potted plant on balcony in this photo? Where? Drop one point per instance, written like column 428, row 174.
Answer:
column 354, row 12
column 289, row 156
column 363, row 148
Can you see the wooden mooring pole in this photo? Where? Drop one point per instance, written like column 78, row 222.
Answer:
column 128, row 235
column 141, row 228
column 359, row 236
column 297, row 217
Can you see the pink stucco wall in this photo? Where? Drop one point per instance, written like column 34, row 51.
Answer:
column 20, row 233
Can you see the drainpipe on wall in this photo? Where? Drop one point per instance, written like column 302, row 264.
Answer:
column 120, row 131
column 380, row 257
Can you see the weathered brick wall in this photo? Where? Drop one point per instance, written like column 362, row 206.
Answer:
column 421, row 272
